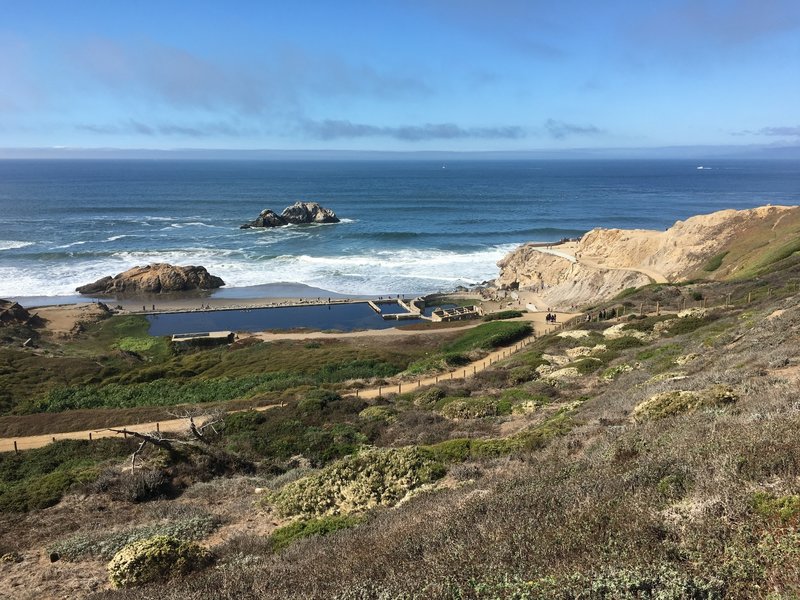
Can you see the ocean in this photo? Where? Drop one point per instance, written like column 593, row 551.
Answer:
column 408, row 227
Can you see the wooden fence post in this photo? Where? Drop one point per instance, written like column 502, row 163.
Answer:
column 399, row 388
column 158, row 425
column 16, row 450
column 90, row 436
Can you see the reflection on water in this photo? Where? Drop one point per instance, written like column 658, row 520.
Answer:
column 340, row 317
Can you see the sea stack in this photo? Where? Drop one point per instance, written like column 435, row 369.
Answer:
column 299, row 213
column 154, row 279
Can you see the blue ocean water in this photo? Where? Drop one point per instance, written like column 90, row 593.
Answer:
column 407, row 227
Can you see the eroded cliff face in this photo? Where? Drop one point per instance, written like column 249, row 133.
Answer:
column 606, row 261
column 560, row 282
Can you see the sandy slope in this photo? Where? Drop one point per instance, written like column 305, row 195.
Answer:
column 606, row 261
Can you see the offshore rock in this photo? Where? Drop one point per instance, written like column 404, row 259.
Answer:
column 267, row 218
column 299, row 213
column 154, row 279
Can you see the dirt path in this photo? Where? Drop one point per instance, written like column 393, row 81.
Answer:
column 569, row 253
column 654, row 275
column 540, row 327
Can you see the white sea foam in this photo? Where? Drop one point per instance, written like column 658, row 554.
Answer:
column 403, row 271
column 193, row 224
column 80, row 243
column 13, row 244
column 114, row 238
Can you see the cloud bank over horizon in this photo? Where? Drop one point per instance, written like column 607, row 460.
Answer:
column 438, row 75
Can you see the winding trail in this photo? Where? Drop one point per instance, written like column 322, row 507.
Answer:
column 568, row 252
column 540, row 327
column 654, row 275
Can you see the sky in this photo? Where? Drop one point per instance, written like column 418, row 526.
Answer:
column 399, row 75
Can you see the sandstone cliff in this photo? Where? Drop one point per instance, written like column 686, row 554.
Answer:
column 154, row 279
column 606, row 261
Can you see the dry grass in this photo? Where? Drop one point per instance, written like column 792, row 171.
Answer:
column 696, row 504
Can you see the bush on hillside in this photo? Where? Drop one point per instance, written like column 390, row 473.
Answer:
column 374, row 477
column 156, row 559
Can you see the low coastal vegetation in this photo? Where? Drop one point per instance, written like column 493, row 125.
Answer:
column 643, row 456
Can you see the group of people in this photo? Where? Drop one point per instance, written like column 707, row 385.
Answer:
column 551, row 317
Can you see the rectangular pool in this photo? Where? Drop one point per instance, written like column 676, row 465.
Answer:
column 340, row 317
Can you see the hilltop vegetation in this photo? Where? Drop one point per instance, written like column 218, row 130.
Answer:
column 644, row 456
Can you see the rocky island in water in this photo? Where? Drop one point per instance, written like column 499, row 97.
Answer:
column 299, row 213
column 154, row 279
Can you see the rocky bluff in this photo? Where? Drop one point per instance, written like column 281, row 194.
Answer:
column 299, row 213
column 154, row 279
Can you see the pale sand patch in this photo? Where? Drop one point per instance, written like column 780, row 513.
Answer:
column 61, row 321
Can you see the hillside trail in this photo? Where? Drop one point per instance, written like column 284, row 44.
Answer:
column 569, row 253
column 537, row 320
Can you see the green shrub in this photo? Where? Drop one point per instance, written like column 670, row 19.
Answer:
column 429, row 397
column 161, row 392
column 666, row 404
column 689, row 324
column 623, row 343
column 673, row 486
column 625, row 293
column 646, row 324
column 317, row 400
column 714, row 263
column 585, row 365
column 616, row 371
column 284, row 536
column 787, row 508
column 449, row 451
column 473, row 408
column 382, row 414
column 137, row 344
column 39, row 478
column 106, row 544
column 540, row 436
column 519, row 375
column 373, row 477
column 156, row 559
column 489, row 336
column 503, row 314
column 656, row 582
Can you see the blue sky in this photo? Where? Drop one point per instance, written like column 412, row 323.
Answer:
column 460, row 75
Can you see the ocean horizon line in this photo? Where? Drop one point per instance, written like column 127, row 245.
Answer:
column 674, row 152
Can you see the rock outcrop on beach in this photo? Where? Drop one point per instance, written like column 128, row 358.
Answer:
column 154, row 279
column 299, row 213
column 604, row 262
column 12, row 314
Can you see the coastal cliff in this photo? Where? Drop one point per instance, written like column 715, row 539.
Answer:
column 604, row 262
